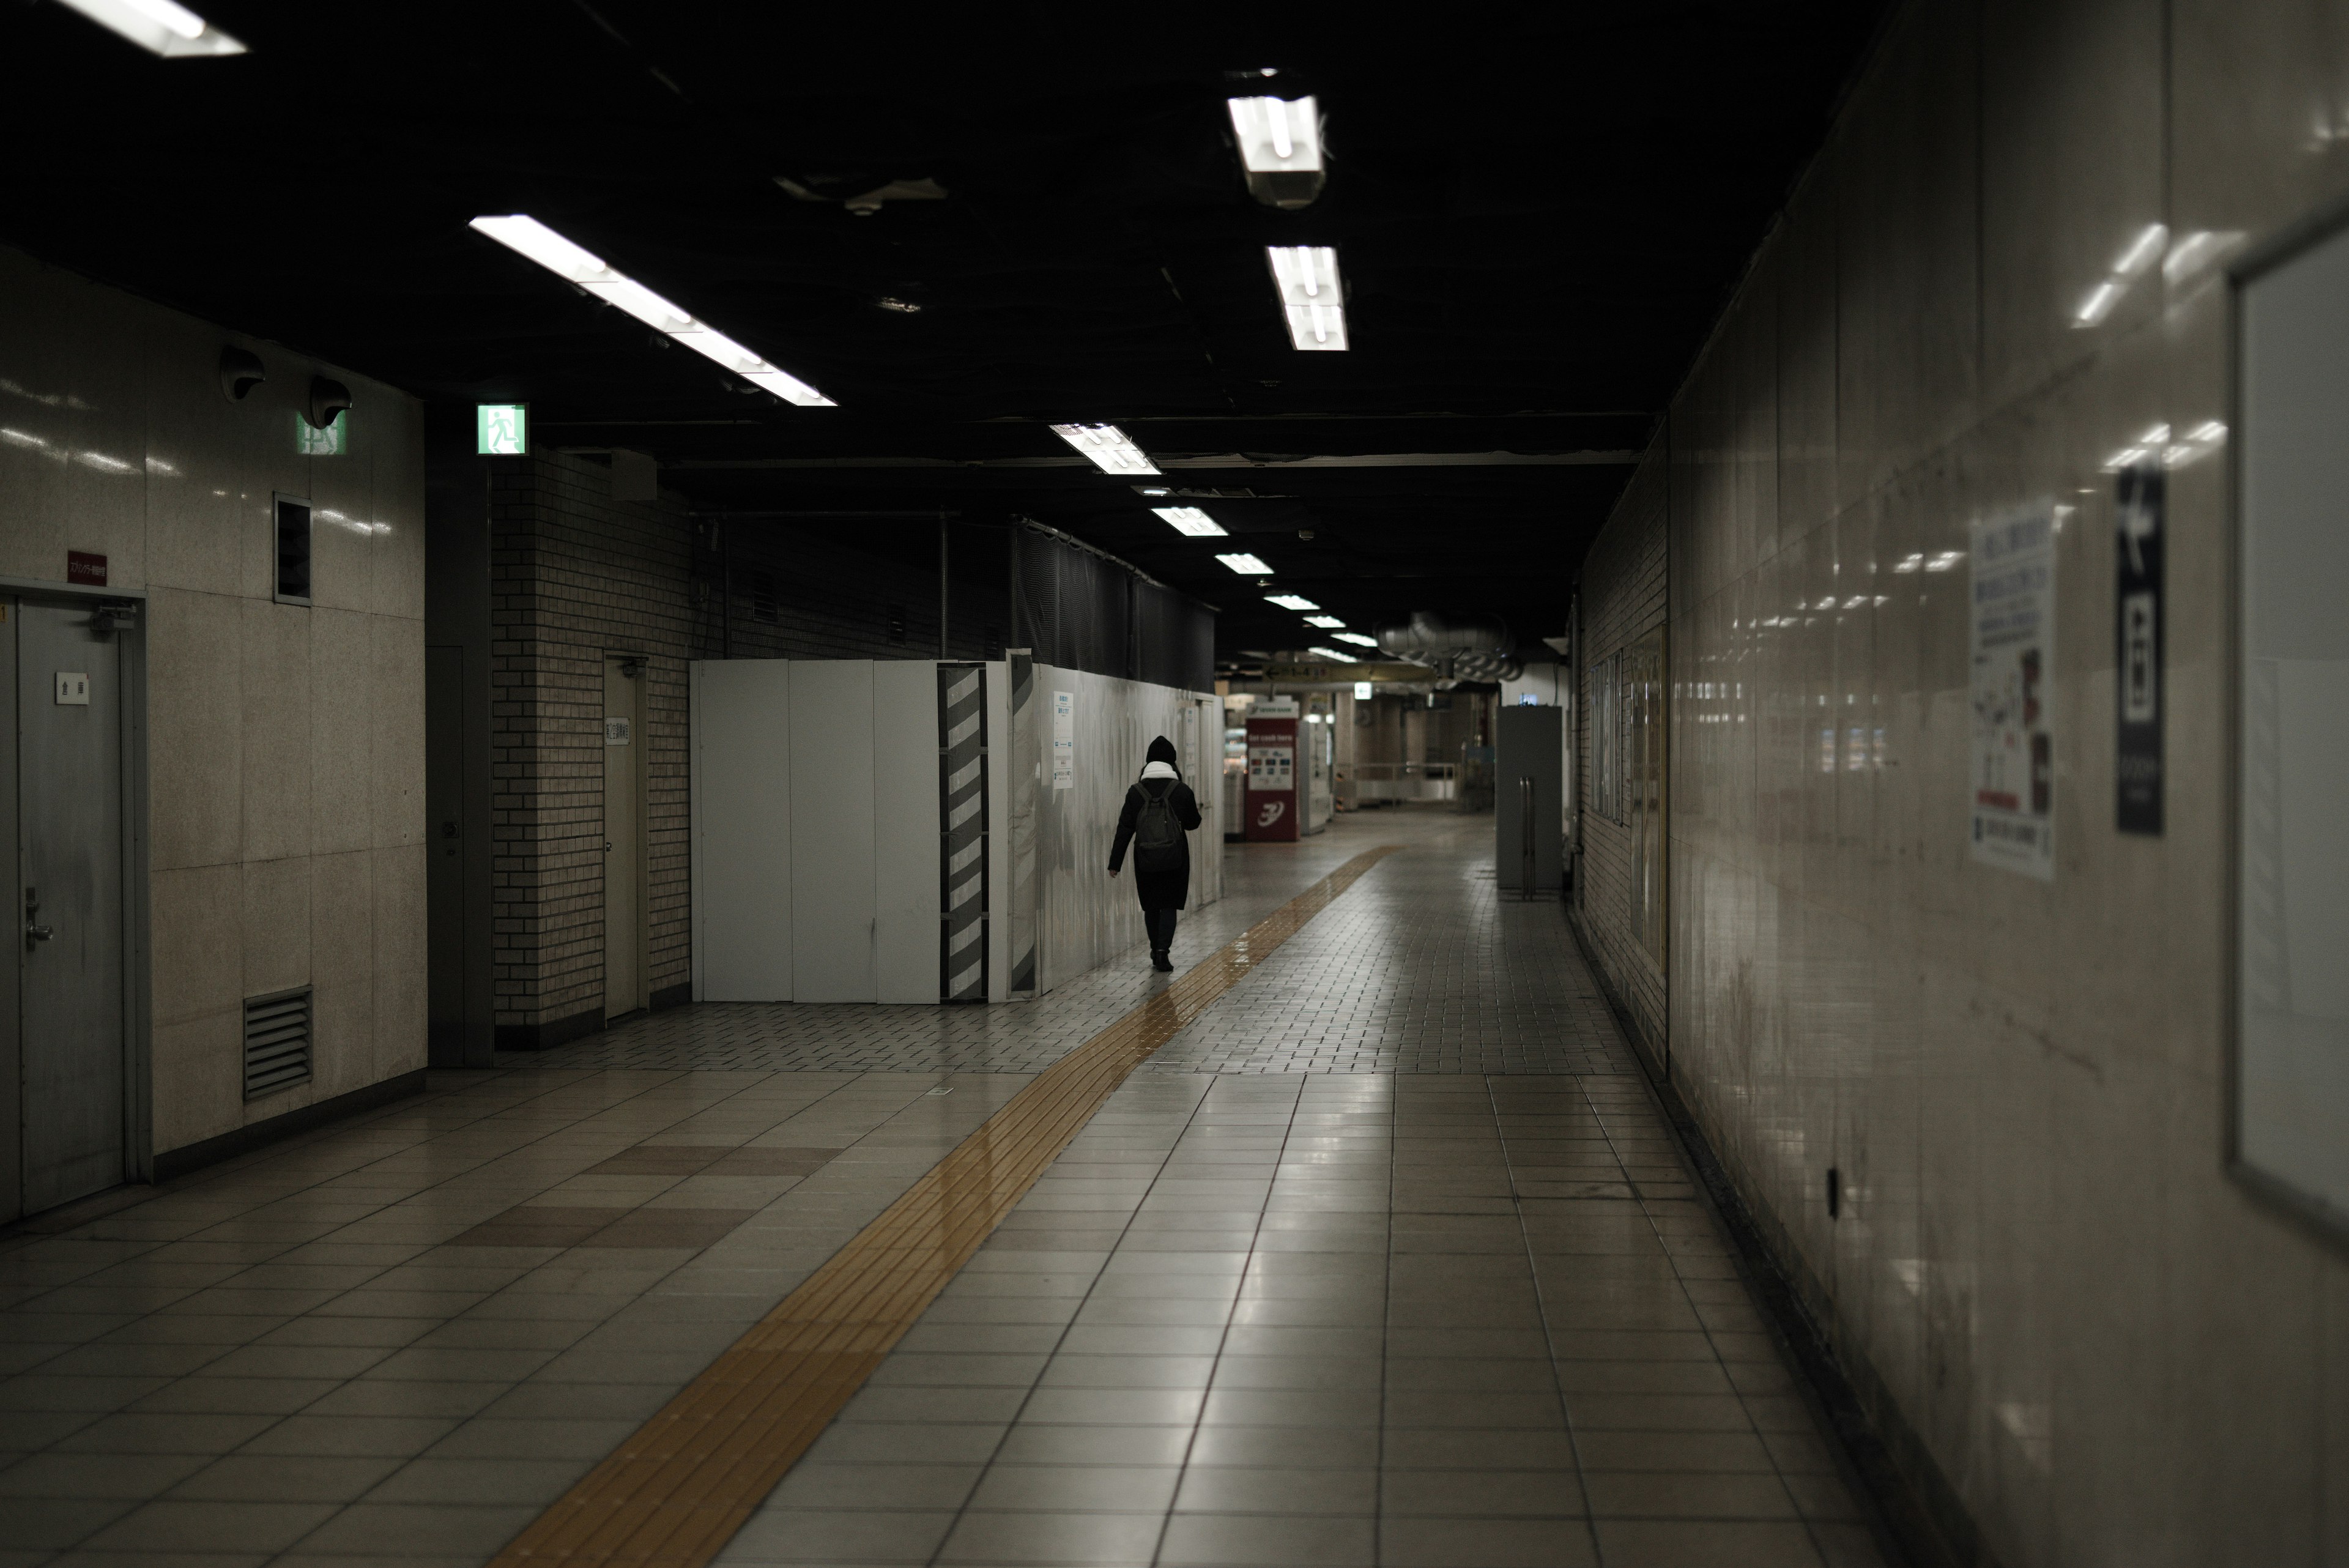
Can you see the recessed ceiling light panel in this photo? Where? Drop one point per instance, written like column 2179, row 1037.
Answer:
column 527, row 236
column 1291, row 601
column 1326, row 622
column 1332, row 653
column 1357, row 638
column 1310, row 293
column 1279, row 141
column 160, row 27
column 1190, row 520
column 1247, row 565
column 1108, row 448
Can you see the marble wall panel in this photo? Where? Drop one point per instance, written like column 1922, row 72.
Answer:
column 397, row 879
column 2072, row 210
column 395, row 692
column 1908, row 280
column 2108, row 1352
column 263, row 721
column 276, row 921
column 275, row 749
column 342, row 695
column 195, row 728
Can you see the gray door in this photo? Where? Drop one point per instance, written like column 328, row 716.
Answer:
column 69, row 836
column 444, row 877
column 12, row 1062
column 624, row 845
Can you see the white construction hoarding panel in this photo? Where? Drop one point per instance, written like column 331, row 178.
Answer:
column 742, row 830
column 833, row 825
column 998, row 830
column 1084, row 917
column 905, row 873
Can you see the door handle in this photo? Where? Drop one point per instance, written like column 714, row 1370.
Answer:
column 34, row 933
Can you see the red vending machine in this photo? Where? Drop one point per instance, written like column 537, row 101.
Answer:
column 1274, row 802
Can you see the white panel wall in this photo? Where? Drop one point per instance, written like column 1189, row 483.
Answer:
column 904, row 870
column 742, row 830
column 999, row 761
column 1083, row 916
column 832, row 812
column 816, row 830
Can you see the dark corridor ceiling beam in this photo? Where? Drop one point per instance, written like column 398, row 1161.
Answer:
column 1540, row 210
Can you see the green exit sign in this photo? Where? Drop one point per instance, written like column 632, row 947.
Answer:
column 332, row 441
column 502, row 430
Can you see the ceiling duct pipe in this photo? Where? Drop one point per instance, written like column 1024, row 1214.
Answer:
column 1471, row 649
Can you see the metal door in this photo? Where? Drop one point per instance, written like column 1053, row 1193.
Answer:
column 12, row 1062
column 623, row 849
column 444, row 878
column 69, row 838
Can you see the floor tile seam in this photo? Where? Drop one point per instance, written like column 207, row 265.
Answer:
column 341, row 1384
column 1550, row 1348
column 1386, row 1314
column 1059, row 1344
column 516, row 1551
column 1681, row 1284
column 1223, row 1344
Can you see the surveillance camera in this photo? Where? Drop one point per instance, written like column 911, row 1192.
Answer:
column 241, row 370
column 328, row 399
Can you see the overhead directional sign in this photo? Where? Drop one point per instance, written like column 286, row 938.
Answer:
column 1345, row 674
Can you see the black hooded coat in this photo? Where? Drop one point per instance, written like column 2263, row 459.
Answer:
column 1166, row 886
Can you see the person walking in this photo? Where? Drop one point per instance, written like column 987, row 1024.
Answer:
column 1160, row 809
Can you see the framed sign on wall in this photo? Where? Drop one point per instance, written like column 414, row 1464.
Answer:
column 2289, row 1132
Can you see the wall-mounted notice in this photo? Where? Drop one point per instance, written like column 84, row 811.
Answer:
column 2012, row 622
column 1064, row 740
column 2137, row 614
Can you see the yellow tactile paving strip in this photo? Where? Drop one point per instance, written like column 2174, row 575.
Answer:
column 676, row 1492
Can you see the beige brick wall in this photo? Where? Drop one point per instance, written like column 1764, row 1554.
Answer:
column 575, row 575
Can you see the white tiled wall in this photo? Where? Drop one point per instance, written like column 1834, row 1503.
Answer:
column 2110, row 1352
column 285, row 744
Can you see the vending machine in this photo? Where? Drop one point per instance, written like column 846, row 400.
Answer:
column 1274, row 799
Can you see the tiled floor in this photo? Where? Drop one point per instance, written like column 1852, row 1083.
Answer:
column 1386, row 1259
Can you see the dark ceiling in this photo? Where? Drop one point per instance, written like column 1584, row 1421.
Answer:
column 1538, row 210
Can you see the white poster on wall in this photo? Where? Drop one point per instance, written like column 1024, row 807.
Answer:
column 2011, row 618
column 1064, row 740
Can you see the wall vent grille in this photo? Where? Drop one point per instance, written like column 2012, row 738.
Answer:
column 276, row 1042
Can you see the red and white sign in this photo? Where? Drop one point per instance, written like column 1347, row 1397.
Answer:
column 86, row 568
column 1272, row 800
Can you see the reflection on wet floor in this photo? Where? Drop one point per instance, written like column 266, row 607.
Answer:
column 1404, row 1308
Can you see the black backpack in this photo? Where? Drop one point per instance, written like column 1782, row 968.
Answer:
column 1157, row 836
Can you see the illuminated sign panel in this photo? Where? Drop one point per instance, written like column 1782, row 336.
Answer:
column 502, row 430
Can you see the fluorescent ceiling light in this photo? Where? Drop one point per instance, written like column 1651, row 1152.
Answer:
column 1280, row 149
column 1356, row 637
column 1108, row 448
column 1276, row 134
column 1190, row 520
column 1326, row 622
column 529, row 238
column 1244, row 564
column 1310, row 293
column 160, row 27
column 1333, row 653
column 1289, row 601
